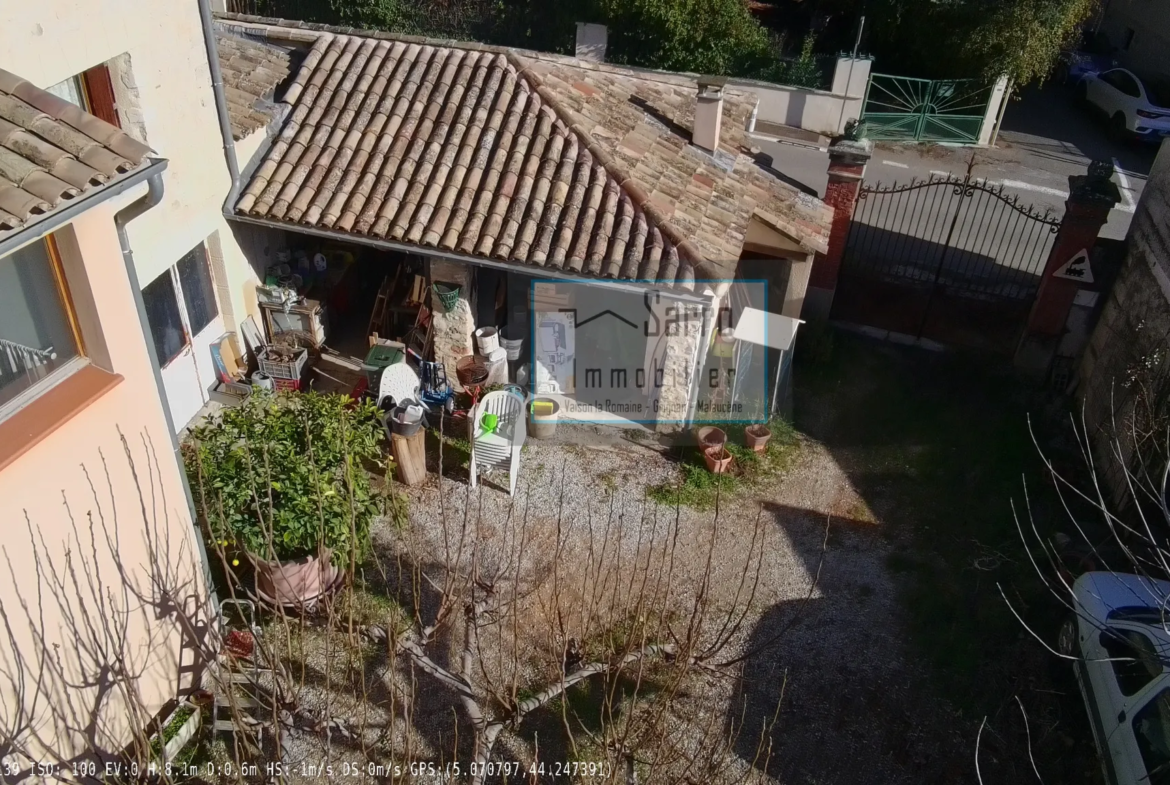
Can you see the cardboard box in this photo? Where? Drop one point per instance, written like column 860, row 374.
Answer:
column 225, row 359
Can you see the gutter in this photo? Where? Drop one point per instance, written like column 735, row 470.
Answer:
column 153, row 196
column 221, row 110
column 58, row 218
column 539, row 273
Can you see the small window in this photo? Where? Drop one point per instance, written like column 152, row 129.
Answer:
column 72, row 91
column 1133, row 657
column 37, row 331
column 91, row 90
column 164, row 317
column 1151, row 729
column 198, row 291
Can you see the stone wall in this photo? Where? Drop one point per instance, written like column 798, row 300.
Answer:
column 678, row 360
column 1127, row 353
column 452, row 330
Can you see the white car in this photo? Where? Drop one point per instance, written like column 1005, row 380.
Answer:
column 1134, row 108
column 1120, row 639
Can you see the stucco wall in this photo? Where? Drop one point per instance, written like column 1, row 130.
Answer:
column 104, row 492
column 812, row 110
column 51, row 40
column 1150, row 22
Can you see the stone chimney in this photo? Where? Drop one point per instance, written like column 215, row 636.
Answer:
column 591, row 41
column 709, row 112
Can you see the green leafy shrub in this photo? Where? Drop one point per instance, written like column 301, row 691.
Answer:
column 282, row 476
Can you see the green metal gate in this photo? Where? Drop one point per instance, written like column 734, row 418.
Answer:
column 904, row 109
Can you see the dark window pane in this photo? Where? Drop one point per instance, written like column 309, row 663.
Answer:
column 1151, row 728
column 198, row 293
column 162, row 312
column 35, row 335
column 1133, row 656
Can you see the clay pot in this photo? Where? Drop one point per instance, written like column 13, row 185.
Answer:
column 710, row 436
column 296, row 581
column 756, row 437
column 718, row 459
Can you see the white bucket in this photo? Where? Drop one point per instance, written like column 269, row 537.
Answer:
column 263, row 381
column 488, row 339
column 512, row 347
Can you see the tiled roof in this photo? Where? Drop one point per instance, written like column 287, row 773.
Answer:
column 52, row 152
column 252, row 72
column 495, row 153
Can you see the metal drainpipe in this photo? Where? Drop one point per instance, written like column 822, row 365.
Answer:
column 124, row 216
column 221, row 110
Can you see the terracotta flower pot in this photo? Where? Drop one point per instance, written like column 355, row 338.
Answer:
column 296, row 581
column 756, row 437
column 710, row 436
column 718, row 459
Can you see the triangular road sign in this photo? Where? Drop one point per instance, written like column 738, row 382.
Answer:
column 1076, row 268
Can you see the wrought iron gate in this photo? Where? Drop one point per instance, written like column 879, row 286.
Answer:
column 904, row 109
column 949, row 259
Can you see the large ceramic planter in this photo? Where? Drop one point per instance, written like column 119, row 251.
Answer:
column 718, row 459
column 295, row 581
column 756, row 437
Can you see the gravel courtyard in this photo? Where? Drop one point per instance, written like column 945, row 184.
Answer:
column 870, row 651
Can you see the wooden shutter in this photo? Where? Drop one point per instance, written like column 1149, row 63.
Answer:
column 99, row 91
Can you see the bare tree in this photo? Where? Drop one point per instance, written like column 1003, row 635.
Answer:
column 601, row 645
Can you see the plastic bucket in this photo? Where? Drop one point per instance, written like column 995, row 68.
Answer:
column 263, row 381
column 405, row 420
column 544, row 421
column 488, row 340
column 513, row 347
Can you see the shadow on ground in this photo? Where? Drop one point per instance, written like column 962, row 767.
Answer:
column 937, row 446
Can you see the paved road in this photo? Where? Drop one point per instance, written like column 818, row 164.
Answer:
column 1046, row 137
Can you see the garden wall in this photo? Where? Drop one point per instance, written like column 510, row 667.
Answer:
column 819, row 111
column 1125, row 369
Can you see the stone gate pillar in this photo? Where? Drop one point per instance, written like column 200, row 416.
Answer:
column 1091, row 197
column 847, row 160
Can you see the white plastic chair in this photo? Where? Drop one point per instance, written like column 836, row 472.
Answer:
column 501, row 447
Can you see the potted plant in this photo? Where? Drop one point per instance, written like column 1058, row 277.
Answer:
column 756, row 437
column 710, row 436
column 281, row 478
column 174, row 733
column 718, row 459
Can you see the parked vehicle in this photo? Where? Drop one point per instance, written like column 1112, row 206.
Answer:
column 1073, row 66
column 1134, row 108
column 1120, row 639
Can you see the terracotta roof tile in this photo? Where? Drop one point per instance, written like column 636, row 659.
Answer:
column 535, row 159
column 52, row 152
column 252, row 73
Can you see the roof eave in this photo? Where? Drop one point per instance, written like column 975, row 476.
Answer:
column 439, row 253
column 52, row 221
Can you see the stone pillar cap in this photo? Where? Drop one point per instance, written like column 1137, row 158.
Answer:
column 850, row 151
column 1095, row 188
